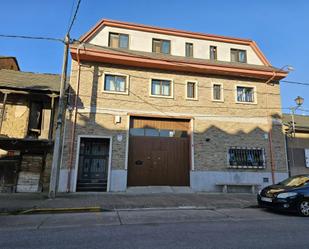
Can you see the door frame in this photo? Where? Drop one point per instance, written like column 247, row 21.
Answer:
column 79, row 137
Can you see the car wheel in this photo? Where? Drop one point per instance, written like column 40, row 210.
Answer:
column 303, row 207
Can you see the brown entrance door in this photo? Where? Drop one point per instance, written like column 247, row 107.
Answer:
column 159, row 157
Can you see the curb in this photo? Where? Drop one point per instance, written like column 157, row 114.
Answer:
column 53, row 210
column 100, row 209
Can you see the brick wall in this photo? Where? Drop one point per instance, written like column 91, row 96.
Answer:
column 225, row 123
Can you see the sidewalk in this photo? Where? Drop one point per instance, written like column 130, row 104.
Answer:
column 110, row 201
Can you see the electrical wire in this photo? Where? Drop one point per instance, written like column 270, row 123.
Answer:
column 74, row 17
column 295, row 82
column 71, row 14
column 178, row 82
column 32, row 37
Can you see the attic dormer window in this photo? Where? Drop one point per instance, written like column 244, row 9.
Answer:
column 161, row 46
column 238, row 55
column 118, row 40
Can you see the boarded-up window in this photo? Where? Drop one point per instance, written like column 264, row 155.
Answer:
column 35, row 118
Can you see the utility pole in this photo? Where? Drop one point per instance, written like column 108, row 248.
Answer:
column 54, row 177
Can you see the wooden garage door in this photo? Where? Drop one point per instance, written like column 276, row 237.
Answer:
column 159, row 152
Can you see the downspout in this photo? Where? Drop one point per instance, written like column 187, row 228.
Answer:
column 73, row 131
column 287, row 154
column 272, row 165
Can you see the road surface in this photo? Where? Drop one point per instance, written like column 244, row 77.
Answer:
column 187, row 229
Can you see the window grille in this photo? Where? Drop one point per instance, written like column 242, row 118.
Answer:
column 246, row 158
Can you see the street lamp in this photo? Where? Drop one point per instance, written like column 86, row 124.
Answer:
column 299, row 101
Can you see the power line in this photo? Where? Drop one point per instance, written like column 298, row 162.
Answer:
column 182, row 83
column 190, row 105
column 295, row 82
column 74, row 17
column 32, row 37
column 71, row 13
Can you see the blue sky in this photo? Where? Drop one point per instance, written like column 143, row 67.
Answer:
column 280, row 28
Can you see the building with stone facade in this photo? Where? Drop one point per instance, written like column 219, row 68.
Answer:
column 162, row 107
column 28, row 104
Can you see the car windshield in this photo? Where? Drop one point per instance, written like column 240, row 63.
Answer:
column 295, row 181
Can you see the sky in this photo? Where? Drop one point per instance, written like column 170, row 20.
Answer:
column 280, row 28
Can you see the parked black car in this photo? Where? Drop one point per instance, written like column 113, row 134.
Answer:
column 291, row 194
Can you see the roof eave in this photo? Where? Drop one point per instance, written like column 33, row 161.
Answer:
column 136, row 61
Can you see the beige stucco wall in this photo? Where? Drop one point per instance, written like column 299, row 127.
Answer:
column 226, row 123
column 142, row 41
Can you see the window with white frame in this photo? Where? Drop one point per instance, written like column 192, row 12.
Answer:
column 245, row 94
column 246, row 157
column 161, row 87
column 115, row 83
column 191, row 90
column 217, row 92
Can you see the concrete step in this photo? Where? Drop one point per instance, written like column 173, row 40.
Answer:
column 158, row 190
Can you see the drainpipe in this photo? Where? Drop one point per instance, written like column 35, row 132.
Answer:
column 287, row 154
column 270, row 135
column 3, row 109
column 270, row 131
column 73, row 131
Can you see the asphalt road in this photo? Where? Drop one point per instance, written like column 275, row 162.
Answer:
column 190, row 229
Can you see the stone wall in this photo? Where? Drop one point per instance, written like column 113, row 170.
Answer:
column 29, row 174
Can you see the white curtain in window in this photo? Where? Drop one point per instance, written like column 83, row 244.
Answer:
column 155, row 88
column 120, row 84
column 165, row 89
column 115, row 83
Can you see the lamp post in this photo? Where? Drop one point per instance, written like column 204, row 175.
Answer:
column 299, row 101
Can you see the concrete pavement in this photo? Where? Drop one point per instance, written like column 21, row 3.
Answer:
column 111, row 201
